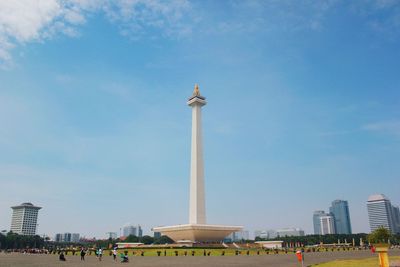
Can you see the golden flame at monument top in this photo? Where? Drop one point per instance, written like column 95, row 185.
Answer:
column 196, row 91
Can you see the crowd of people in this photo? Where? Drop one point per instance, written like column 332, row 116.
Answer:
column 99, row 254
column 26, row 251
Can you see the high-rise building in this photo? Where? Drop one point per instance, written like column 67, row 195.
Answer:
column 341, row 214
column 271, row 234
column 157, row 234
column 75, row 237
column 380, row 213
column 317, row 222
column 111, row 235
column 58, row 237
column 289, row 232
column 327, row 223
column 24, row 219
column 140, row 231
column 67, row 237
column 396, row 218
column 130, row 229
column 266, row 234
column 238, row 236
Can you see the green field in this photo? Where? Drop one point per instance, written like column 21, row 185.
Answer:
column 370, row 262
column 183, row 251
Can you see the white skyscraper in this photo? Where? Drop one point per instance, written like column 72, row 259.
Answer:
column 327, row 223
column 380, row 213
column 24, row 219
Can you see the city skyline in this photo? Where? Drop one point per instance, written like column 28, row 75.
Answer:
column 303, row 108
column 323, row 223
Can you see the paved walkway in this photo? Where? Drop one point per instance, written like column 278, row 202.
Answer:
column 289, row 260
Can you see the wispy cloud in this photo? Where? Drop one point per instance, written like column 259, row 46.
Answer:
column 382, row 16
column 134, row 17
column 386, row 127
column 336, row 133
column 279, row 15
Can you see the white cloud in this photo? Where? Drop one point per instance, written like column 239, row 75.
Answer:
column 25, row 21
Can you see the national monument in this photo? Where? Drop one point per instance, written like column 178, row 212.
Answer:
column 197, row 230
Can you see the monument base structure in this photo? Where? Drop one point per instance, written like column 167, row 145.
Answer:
column 197, row 232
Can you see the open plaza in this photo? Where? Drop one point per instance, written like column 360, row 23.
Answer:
column 150, row 259
column 229, row 133
column 197, row 243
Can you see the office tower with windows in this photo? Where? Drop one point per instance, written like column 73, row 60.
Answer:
column 130, row 229
column 396, row 218
column 327, row 223
column 317, row 221
column 380, row 213
column 341, row 214
column 24, row 219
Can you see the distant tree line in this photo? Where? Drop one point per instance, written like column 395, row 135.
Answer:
column 310, row 240
column 146, row 239
column 15, row 241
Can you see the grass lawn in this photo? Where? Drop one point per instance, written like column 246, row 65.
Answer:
column 370, row 262
column 182, row 252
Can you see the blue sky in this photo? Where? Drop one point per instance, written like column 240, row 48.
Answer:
column 303, row 108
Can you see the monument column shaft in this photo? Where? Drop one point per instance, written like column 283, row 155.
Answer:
column 197, row 230
column 197, row 212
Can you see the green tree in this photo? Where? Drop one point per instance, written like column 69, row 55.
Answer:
column 15, row 241
column 380, row 235
column 163, row 240
column 132, row 239
column 147, row 240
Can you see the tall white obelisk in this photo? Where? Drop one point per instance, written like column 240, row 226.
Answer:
column 197, row 230
column 197, row 209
